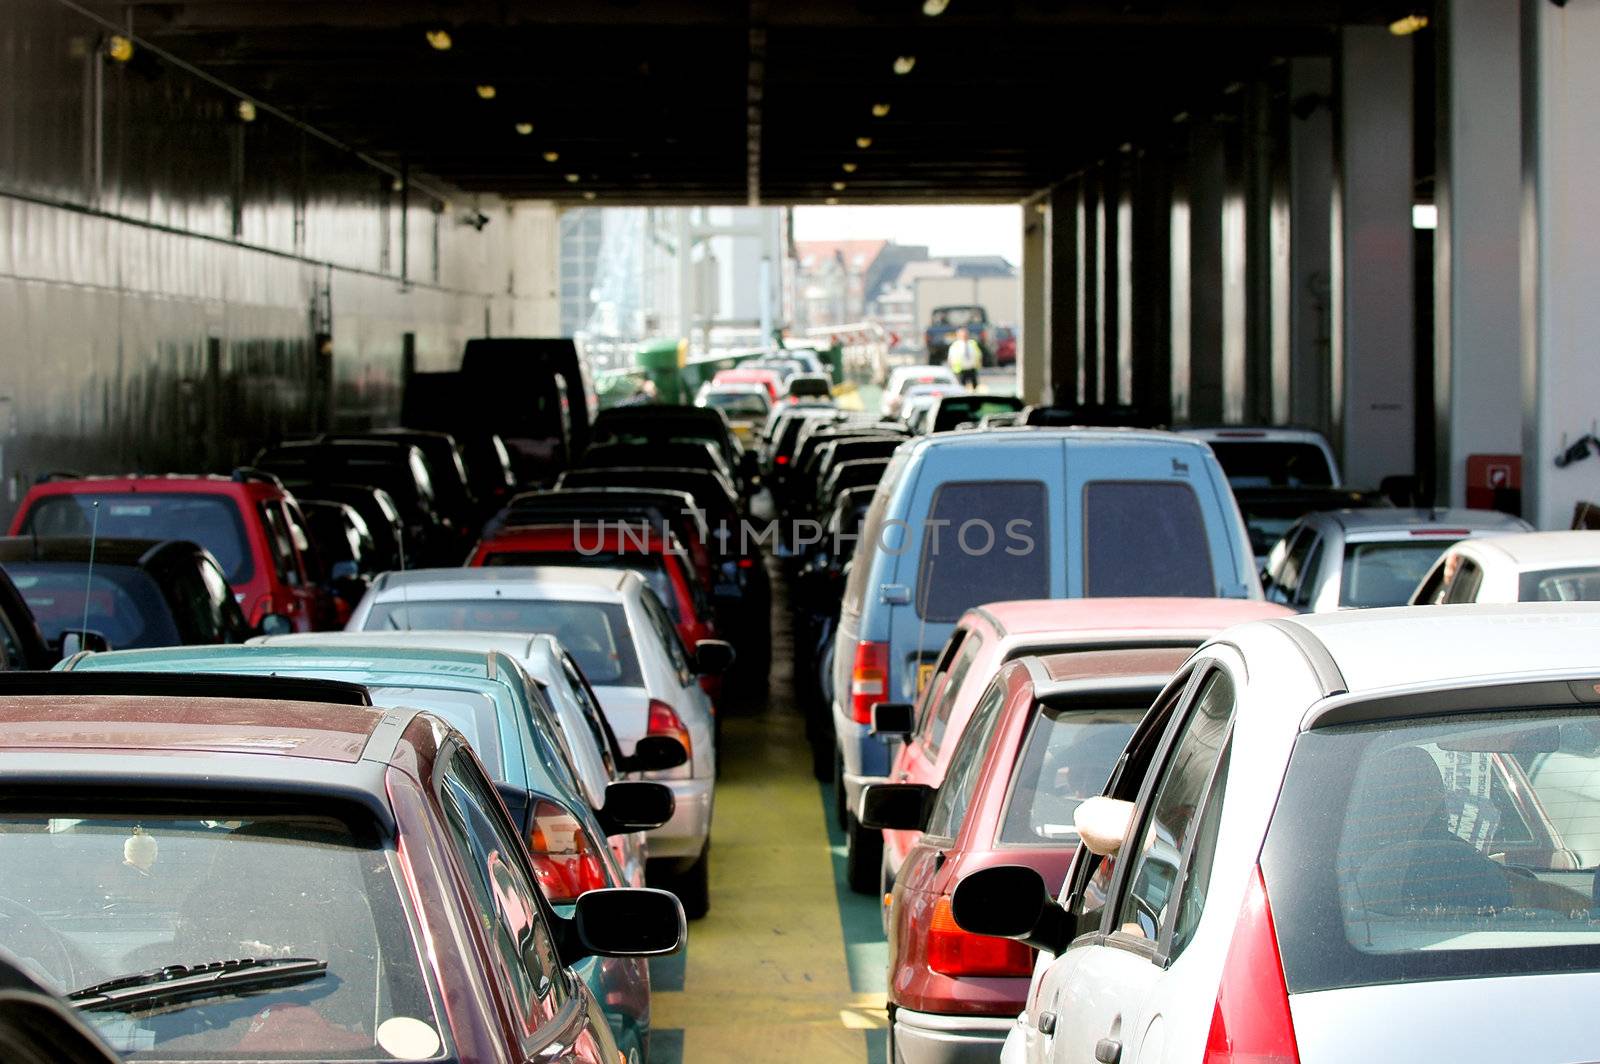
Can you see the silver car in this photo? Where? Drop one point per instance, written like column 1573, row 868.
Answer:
column 1344, row 559
column 1350, row 837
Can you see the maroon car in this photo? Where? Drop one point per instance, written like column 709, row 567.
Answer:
column 214, row 878
column 1044, row 736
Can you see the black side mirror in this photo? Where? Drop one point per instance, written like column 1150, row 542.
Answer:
column 655, row 753
column 896, row 806
column 713, row 657
column 275, row 624
column 636, row 805
column 81, row 640
column 1011, row 901
column 624, row 922
column 893, row 720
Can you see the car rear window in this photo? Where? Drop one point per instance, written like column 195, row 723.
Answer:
column 595, row 632
column 1561, row 585
column 1273, row 464
column 213, row 521
column 650, row 566
column 1385, row 574
column 1144, row 537
column 125, row 605
column 1067, row 757
column 113, row 891
column 1451, row 847
column 984, row 541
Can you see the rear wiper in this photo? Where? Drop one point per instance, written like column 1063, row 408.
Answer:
column 178, row 981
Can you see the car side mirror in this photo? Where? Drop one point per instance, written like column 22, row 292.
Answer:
column 892, row 720
column 896, row 806
column 654, row 753
column 635, row 805
column 82, row 640
column 274, row 624
column 713, row 657
column 624, row 922
column 1102, row 823
column 1011, row 901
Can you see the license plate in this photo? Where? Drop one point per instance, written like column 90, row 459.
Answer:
column 924, row 674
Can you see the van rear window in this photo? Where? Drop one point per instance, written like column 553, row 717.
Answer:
column 983, row 541
column 1142, row 538
column 1447, row 848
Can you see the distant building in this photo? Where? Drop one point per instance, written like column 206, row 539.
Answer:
column 580, row 262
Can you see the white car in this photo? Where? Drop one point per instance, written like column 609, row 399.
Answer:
column 1532, row 567
column 1345, row 837
column 903, row 378
column 1263, row 457
column 624, row 641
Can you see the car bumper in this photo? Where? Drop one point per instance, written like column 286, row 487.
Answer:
column 686, row 833
column 866, row 757
column 934, row 1038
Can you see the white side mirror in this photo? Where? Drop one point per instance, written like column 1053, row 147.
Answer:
column 1102, row 824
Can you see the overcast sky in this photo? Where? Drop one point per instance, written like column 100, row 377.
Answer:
column 965, row 230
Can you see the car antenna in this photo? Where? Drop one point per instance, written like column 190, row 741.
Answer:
column 88, row 576
column 405, row 596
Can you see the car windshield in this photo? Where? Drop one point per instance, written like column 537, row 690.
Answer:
column 86, row 898
column 596, row 633
column 125, row 605
column 1385, row 574
column 1448, row 847
column 737, row 404
column 1068, row 757
column 650, row 566
column 212, row 521
column 1579, row 584
column 1273, row 464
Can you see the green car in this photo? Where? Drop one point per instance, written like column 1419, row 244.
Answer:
column 505, row 715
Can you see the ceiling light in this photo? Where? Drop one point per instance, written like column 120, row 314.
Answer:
column 1405, row 27
column 552, row 156
column 880, row 110
column 904, row 63
column 524, row 128
column 863, row 143
column 247, row 111
column 848, row 168
column 439, row 39
column 838, row 186
column 119, row 48
column 934, row 8
column 486, row 92
column 1424, row 216
column 589, row 195
column 572, row 179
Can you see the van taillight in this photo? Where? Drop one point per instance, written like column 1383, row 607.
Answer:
column 664, row 720
column 869, row 678
column 563, row 861
column 1251, row 1023
column 952, row 951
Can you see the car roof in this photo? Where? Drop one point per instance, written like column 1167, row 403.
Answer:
column 1257, row 433
column 1379, row 519
column 1542, row 550
column 523, row 646
column 179, row 483
column 1121, row 616
column 580, row 584
column 1377, row 649
column 1072, row 435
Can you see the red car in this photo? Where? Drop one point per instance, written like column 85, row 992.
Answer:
column 232, row 878
column 248, row 522
column 770, row 379
column 1045, row 736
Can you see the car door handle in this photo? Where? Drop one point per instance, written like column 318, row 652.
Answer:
column 1108, row 1051
column 1047, row 1023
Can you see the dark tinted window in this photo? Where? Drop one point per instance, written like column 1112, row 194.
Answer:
column 1464, row 584
column 1262, row 464
column 1068, row 756
column 279, row 544
column 949, row 688
column 212, row 521
column 1385, row 574
column 984, row 541
column 125, row 605
column 1144, row 537
column 955, row 793
column 596, row 633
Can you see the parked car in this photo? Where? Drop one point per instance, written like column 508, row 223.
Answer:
column 1044, row 737
column 903, row 378
column 1271, row 457
column 770, row 379
column 806, row 387
column 746, row 407
column 1346, row 559
column 376, row 508
column 630, row 653
column 248, row 522
column 988, row 636
column 1334, row 816
column 1005, row 346
column 345, row 548
column 22, row 644
column 319, row 889
column 1530, row 567
column 665, row 423
column 950, row 412
column 453, row 496
column 917, row 408
column 1081, row 514
column 679, row 454
column 136, row 593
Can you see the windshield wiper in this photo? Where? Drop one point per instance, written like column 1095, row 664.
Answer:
column 178, row 981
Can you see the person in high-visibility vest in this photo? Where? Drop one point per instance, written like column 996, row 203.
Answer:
column 964, row 356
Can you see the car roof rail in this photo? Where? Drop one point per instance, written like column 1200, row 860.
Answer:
column 252, row 475
column 57, row 474
column 184, row 685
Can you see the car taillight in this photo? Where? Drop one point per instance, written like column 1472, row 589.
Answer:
column 1251, row 1023
column 664, row 720
column 782, row 459
column 563, row 861
column 952, row 951
column 869, row 678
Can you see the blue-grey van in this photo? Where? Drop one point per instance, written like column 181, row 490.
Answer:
column 965, row 518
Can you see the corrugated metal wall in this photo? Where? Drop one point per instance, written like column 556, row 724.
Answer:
column 168, row 271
